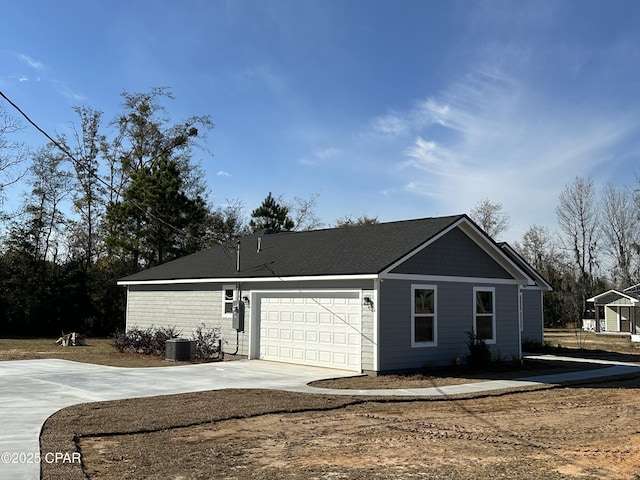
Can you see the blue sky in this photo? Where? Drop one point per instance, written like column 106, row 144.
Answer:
column 396, row 109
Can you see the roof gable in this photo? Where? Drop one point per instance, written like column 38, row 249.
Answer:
column 612, row 296
column 453, row 254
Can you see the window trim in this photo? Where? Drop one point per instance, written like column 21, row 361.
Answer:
column 225, row 301
column 414, row 343
column 492, row 340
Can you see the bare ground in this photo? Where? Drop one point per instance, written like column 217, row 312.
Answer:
column 576, row 432
column 586, row 431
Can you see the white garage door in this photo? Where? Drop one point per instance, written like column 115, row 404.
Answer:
column 321, row 329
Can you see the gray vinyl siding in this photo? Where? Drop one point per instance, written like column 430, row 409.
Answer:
column 455, row 310
column 455, row 254
column 532, row 321
column 185, row 307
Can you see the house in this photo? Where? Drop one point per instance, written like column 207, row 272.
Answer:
column 375, row 298
column 616, row 311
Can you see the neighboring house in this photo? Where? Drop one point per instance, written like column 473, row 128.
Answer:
column 616, row 311
column 374, row 298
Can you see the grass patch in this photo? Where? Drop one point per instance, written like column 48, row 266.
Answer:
column 98, row 350
column 590, row 344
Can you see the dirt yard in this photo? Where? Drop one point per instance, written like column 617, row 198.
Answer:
column 578, row 432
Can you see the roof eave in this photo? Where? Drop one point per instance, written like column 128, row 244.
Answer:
column 300, row 278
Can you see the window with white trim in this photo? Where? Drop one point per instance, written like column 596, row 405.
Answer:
column 228, row 296
column 424, row 319
column 484, row 314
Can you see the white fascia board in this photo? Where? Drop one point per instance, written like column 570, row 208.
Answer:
column 445, row 278
column 615, row 292
column 542, row 284
column 632, row 288
column 493, row 250
column 249, row 279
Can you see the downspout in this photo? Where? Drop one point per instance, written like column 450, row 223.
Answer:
column 376, row 329
column 520, row 320
column 239, row 292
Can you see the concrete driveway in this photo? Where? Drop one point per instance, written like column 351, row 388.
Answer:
column 32, row 390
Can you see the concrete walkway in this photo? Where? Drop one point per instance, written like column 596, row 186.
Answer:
column 32, row 390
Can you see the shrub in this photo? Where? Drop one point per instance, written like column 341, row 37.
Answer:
column 151, row 341
column 479, row 352
column 208, row 344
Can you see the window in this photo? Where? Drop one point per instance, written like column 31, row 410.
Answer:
column 228, row 296
column 423, row 316
column 484, row 318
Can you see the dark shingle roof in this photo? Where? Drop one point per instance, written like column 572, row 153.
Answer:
column 367, row 249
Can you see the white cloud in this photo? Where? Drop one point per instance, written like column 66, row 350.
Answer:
column 319, row 156
column 392, row 125
column 68, row 93
column 491, row 136
column 222, row 173
column 35, row 64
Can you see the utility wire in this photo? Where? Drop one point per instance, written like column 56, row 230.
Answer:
column 76, row 162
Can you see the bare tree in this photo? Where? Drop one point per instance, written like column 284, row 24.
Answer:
column 538, row 247
column 90, row 193
column 12, row 151
column 349, row 221
column 578, row 219
column 303, row 213
column 490, row 217
column 621, row 231
column 41, row 230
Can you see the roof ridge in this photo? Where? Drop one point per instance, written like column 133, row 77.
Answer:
column 325, row 229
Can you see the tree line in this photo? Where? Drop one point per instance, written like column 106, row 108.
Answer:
column 114, row 197
column 596, row 247
column 105, row 201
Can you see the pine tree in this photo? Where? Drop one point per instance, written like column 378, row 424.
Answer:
column 270, row 215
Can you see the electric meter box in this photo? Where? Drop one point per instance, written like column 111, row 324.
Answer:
column 237, row 319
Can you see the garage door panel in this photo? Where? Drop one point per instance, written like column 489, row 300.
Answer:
column 321, row 329
column 325, row 356
column 340, row 338
column 285, row 334
column 285, row 352
column 325, row 337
